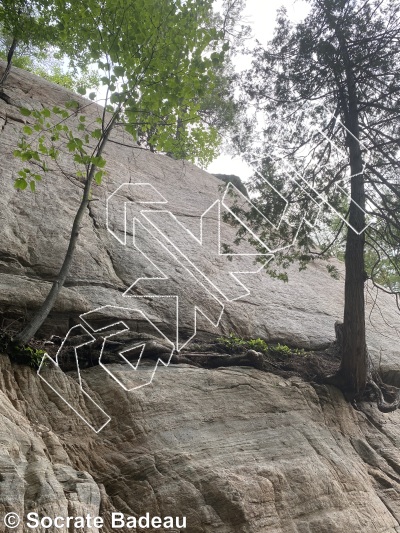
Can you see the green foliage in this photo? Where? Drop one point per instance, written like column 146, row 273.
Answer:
column 299, row 84
column 234, row 344
column 382, row 263
column 156, row 71
column 50, row 68
column 24, row 62
column 49, row 130
column 280, row 350
column 24, row 355
column 27, row 355
column 300, row 352
column 333, row 271
column 155, row 76
column 67, row 78
column 33, row 24
column 259, row 345
column 219, row 108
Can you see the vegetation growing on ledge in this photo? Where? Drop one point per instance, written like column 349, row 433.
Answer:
column 234, row 344
column 22, row 355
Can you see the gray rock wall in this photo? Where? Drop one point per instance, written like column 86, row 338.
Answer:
column 233, row 450
column 35, row 231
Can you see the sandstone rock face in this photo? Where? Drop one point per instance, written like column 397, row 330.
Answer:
column 36, row 474
column 35, row 233
column 233, row 450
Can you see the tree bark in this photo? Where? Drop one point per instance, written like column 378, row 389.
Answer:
column 9, row 62
column 354, row 363
column 42, row 313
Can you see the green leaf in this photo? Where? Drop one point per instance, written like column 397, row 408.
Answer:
column 81, row 90
column 115, row 98
column 53, row 153
column 43, row 149
column 119, row 71
column 97, row 133
column 28, row 130
column 20, row 183
column 78, row 143
column 99, row 162
column 71, row 145
column 32, row 186
column 26, row 112
column 98, row 176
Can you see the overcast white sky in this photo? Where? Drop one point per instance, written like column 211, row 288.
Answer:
column 261, row 16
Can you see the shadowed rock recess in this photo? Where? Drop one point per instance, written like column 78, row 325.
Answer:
column 234, row 450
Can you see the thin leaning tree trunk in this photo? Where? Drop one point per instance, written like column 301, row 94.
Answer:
column 42, row 313
column 10, row 56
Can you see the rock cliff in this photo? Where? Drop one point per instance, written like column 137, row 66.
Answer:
column 35, row 233
column 233, row 450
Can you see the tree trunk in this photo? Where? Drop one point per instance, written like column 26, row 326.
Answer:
column 42, row 313
column 9, row 62
column 354, row 364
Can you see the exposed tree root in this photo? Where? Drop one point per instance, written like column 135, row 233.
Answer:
column 216, row 360
column 384, row 405
column 317, row 367
column 374, row 384
column 387, row 397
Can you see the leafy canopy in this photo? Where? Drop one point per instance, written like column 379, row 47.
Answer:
column 156, row 60
column 318, row 85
